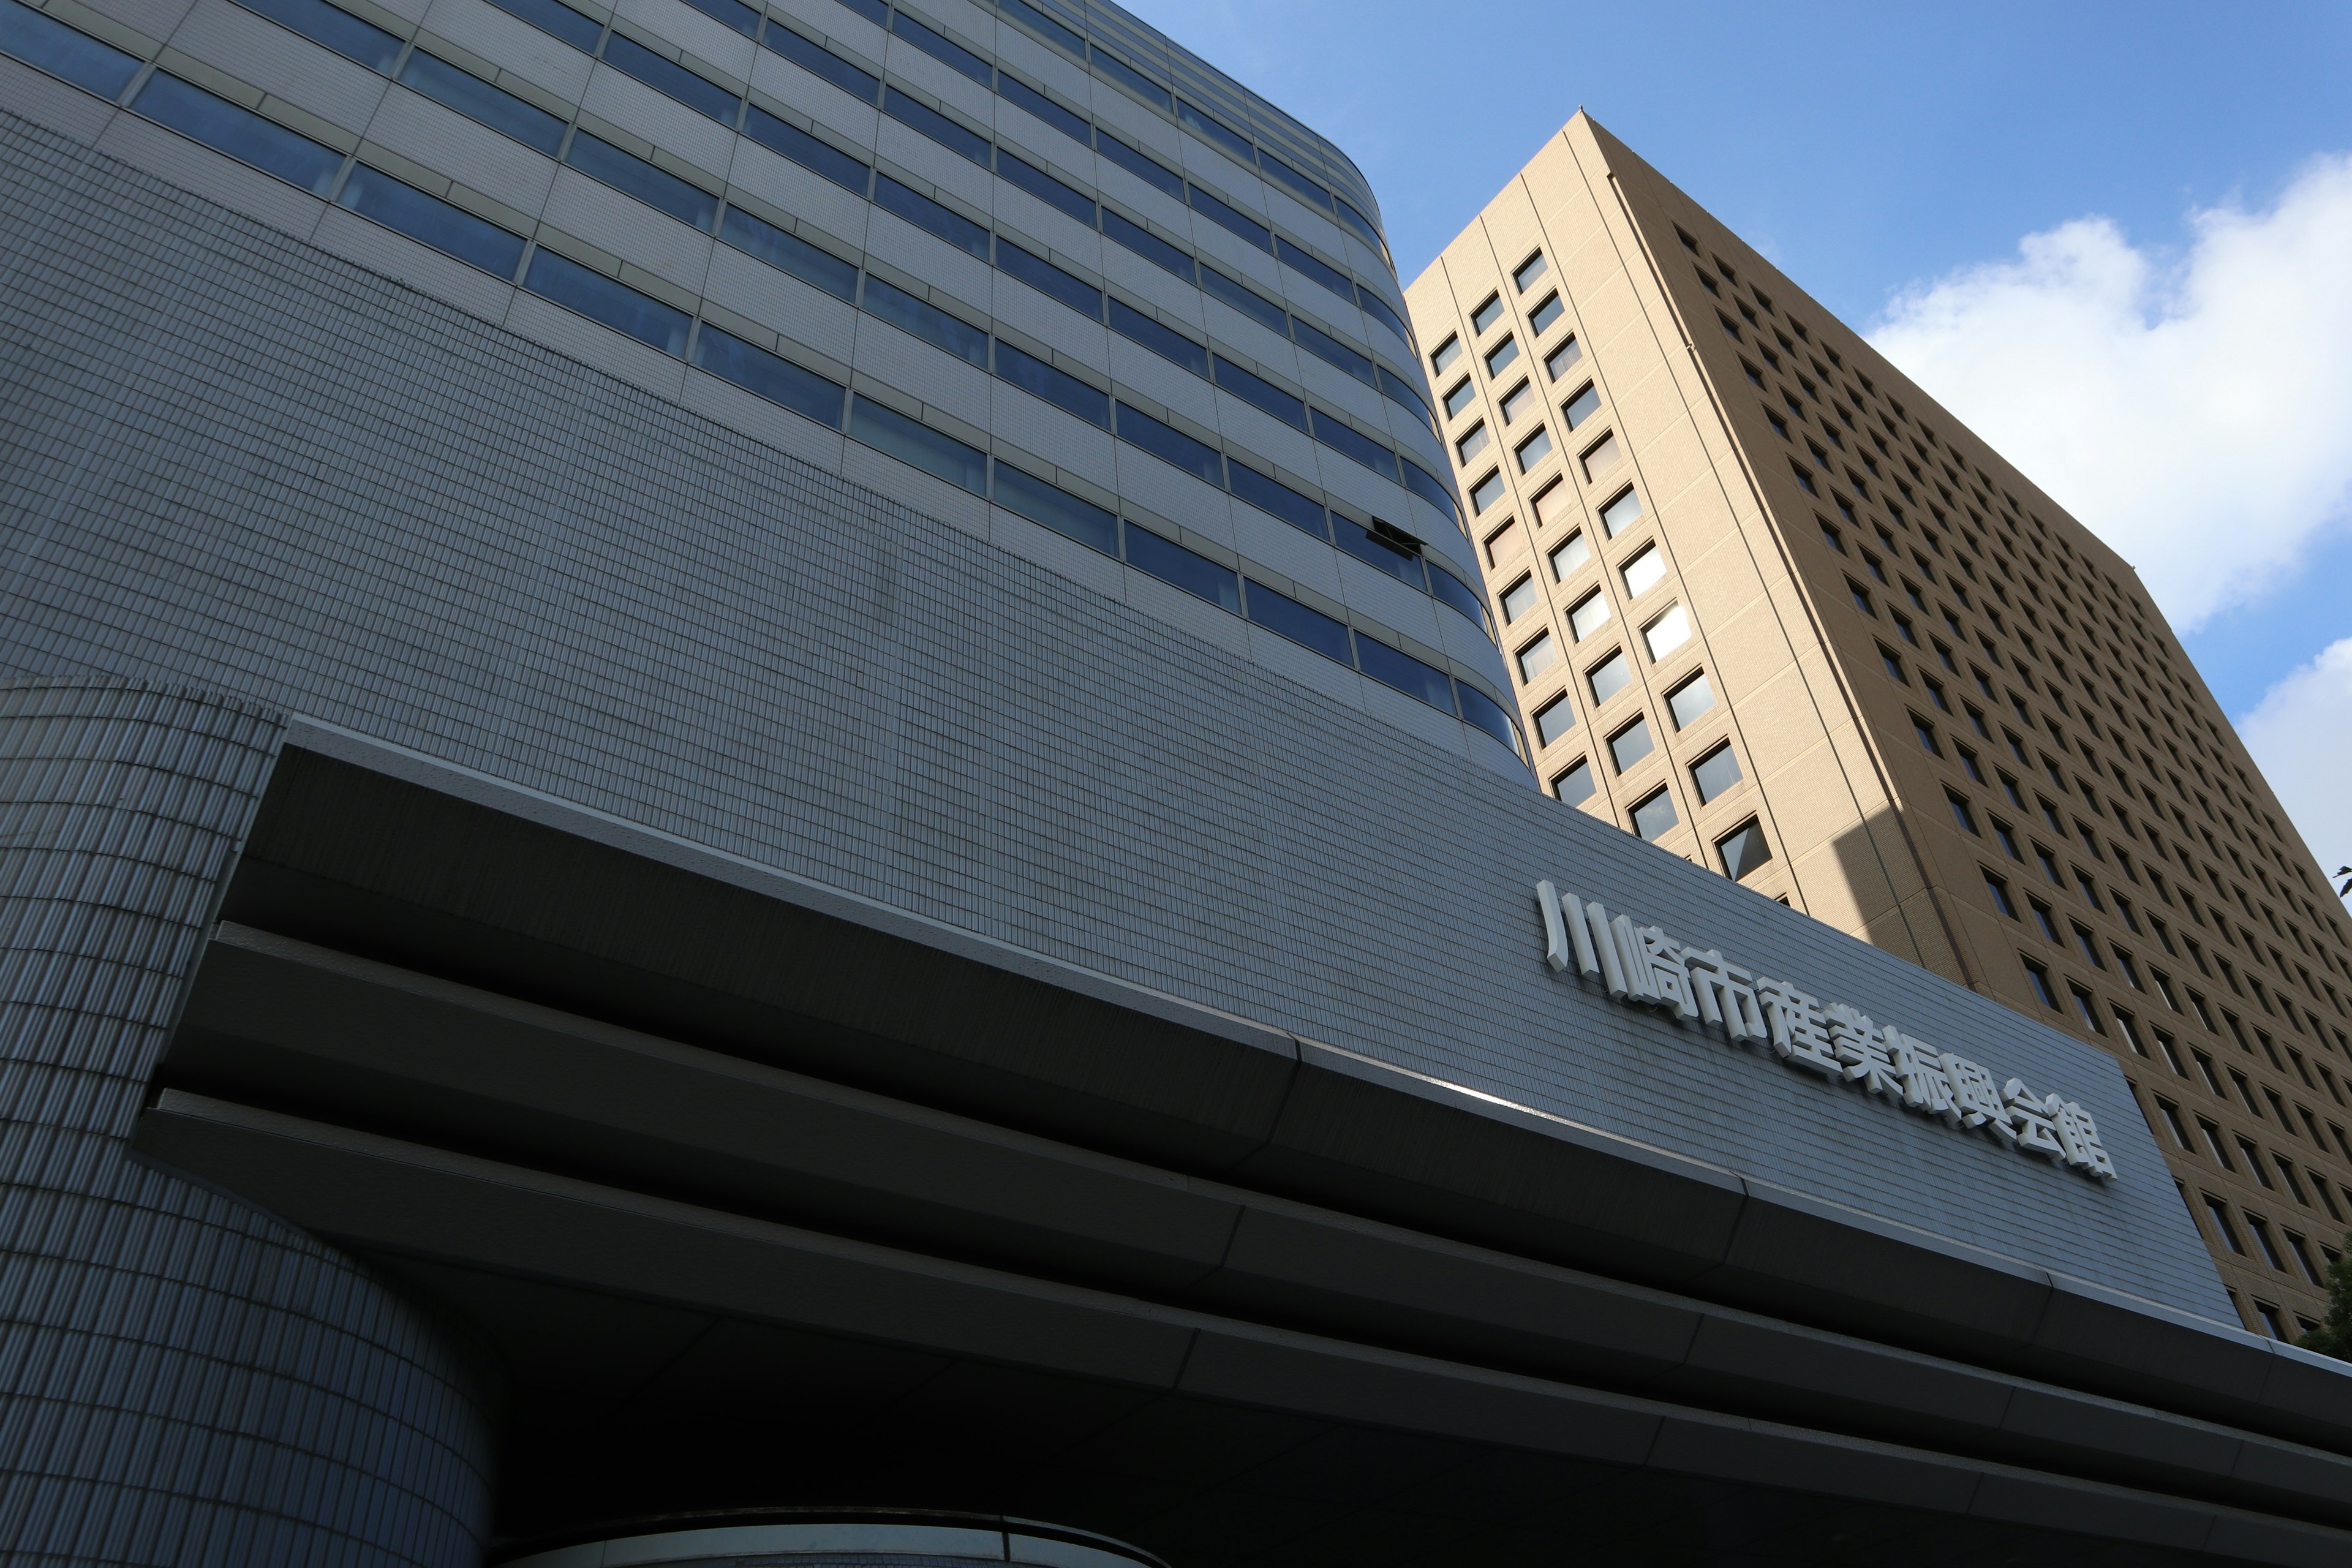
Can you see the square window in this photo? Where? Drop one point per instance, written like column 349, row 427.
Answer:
column 1461, row 398
column 1502, row 355
column 1631, row 744
column 1519, row 598
column 1667, row 633
column 1601, row 457
column 1446, row 352
column 1543, row 317
column 1608, row 677
column 2048, row 927
column 1621, row 513
column 1574, row 786
column 1644, row 571
column 1743, row 850
column 2040, row 979
column 1894, row 665
column 1534, row 449
column 1780, row 425
column 1486, row 491
column 1591, row 614
column 1804, row 479
column 1473, row 443
column 1832, row 537
column 1516, row 402
column 1654, row 813
column 1998, row 889
column 2008, row 839
column 2089, row 1009
column 1715, row 773
column 1689, row 701
column 1860, row 598
column 1568, row 554
column 1537, row 657
column 1533, row 268
column 1503, row 543
column 1960, row 812
column 1563, row 359
column 1487, row 314
column 1927, row 734
column 1582, row 406
column 1555, row 719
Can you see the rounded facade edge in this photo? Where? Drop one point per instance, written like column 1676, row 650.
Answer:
column 189, row 1379
column 781, row 1537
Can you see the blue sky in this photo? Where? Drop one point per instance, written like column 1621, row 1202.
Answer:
column 1893, row 161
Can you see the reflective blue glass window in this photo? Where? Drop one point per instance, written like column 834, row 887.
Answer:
column 818, row 157
column 1447, row 588
column 1368, row 547
column 1166, row 342
column 600, row 299
column 1128, row 76
column 671, row 80
column 732, row 14
column 1278, row 499
column 874, row 11
column 927, row 214
column 1362, row 226
column 477, row 99
column 1399, row 391
column 1482, row 711
column 941, row 48
column 1044, row 188
column 1245, row 299
column 1260, row 393
column 337, row 29
column 1056, row 509
column 431, row 221
column 1148, row 244
column 1209, row 129
column 1381, row 312
column 1298, row 184
column 770, row 376
column 925, row 321
column 557, row 20
column 789, row 253
column 1069, row 123
column 1048, row 279
column 1331, row 351
column 913, row 442
column 1066, row 37
column 1059, row 387
column 1144, row 166
column 1175, row 565
column 946, row 133
column 1230, row 218
column 242, row 134
column 1344, row 440
column 1391, row 667
column 49, row 45
column 1171, row 445
column 821, row 63
column 1315, row 266
column 1286, row 617
column 658, row 188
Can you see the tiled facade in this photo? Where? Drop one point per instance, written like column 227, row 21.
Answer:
column 699, row 181
column 1953, row 719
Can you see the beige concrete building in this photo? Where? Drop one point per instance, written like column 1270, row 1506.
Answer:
column 1770, row 606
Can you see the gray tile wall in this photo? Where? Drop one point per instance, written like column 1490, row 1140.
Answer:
column 242, row 462
column 185, row 1380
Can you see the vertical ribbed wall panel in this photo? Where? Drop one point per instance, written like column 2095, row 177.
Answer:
column 184, row 1379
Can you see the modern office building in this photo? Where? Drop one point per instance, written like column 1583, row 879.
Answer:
column 1769, row 606
column 752, row 810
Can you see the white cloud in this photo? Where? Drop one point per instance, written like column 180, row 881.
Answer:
column 2301, row 733
column 2195, row 409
